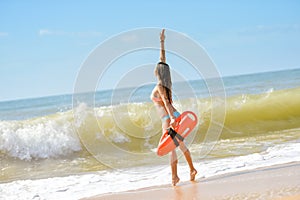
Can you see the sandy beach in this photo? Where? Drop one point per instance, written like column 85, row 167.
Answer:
column 279, row 182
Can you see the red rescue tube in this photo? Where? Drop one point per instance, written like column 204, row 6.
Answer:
column 186, row 123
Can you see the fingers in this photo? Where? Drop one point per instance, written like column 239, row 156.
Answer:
column 173, row 123
column 162, row 34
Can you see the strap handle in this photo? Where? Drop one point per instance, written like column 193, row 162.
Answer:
column 175, row 135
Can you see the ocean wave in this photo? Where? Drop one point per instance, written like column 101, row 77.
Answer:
column 262, row 113
column 136, row 127
column 44, row 137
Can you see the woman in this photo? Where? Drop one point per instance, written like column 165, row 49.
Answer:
column 162, row 98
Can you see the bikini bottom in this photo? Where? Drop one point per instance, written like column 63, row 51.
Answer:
column 166, row 117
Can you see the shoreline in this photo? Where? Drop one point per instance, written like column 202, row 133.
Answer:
column 279, row 182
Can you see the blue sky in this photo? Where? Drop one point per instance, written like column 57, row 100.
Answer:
column 44, row 43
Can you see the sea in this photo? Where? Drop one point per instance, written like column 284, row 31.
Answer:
column 61, row 147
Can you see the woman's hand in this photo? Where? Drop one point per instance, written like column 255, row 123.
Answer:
column 162, row 35
column 173, row 123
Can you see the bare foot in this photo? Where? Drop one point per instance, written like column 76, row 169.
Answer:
column 193, row 174
column 175, row 180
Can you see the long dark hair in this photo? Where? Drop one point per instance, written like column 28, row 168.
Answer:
column 162, row 71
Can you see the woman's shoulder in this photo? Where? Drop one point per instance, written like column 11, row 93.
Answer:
column 155, row 88
column 159, row 86
column 154, row 91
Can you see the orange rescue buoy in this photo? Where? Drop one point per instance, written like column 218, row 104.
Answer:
column 170, row 139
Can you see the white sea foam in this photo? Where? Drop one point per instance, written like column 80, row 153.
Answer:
column 40, row 138
column 79, row 186
column 81, row 112
column 119, row 137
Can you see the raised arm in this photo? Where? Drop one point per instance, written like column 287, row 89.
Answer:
column 162, row 46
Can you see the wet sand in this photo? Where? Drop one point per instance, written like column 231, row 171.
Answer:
column 280, row 182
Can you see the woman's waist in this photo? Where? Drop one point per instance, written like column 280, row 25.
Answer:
column 165, row 117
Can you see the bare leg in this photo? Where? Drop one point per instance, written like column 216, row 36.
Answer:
column 174, row 161
column 188, row 158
